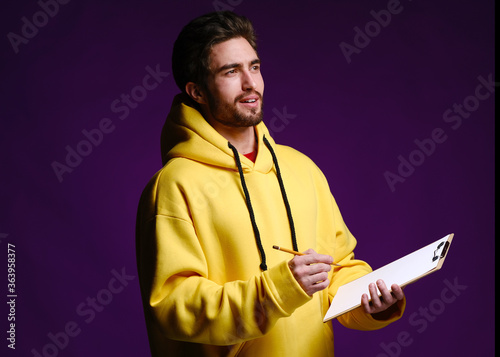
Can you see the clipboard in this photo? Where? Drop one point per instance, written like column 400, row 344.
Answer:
column 403, row 271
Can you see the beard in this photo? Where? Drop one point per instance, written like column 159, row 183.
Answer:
column 229, row 114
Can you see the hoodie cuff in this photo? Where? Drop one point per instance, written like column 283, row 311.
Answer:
column 357, row 319
column 286, row 291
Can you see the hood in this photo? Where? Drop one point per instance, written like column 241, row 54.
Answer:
column 187, row 134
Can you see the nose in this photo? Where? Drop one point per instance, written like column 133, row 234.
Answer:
column 248, row 81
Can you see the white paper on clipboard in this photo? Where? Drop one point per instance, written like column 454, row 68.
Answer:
column 403, row 271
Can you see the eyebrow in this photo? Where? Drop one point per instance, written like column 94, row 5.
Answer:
column 236, row 65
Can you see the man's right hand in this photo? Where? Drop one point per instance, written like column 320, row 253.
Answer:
column 311, row 270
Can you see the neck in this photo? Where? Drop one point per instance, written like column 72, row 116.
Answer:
column 242, row 138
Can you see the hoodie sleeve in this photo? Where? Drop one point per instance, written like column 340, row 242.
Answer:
column 352, row 269
column 179, row 299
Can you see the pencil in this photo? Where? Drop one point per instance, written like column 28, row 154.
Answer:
column 296, row 253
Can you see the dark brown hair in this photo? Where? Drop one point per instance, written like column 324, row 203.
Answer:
column 191, row 53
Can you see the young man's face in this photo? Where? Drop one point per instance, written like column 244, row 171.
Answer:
column 235, row 85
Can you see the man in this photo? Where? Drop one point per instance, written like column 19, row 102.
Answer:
column 210, row 281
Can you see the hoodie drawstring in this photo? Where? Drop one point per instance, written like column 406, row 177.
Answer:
column 283, row 193
column 263, row 264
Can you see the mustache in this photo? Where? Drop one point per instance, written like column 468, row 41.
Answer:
column 246, row 94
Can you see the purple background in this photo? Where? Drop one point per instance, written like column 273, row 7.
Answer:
column 353, row 119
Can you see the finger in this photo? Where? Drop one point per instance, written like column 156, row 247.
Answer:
column 318, row 268
column 321, row 284
column 387, row 298
column 312, row 287
column 308, row 281
column 311, row 257
column 375, row 300
column 365, row 302
column 300, row 268
column 316, row 278
column 397, row 292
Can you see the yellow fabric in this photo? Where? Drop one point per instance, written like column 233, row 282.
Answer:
column 203, row 291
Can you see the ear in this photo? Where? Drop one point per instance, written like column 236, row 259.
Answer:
column 196, row 93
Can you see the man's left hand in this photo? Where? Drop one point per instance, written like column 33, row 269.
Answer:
column 382, row 307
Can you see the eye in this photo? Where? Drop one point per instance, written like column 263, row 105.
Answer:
column 256, row 68
column 233, row 71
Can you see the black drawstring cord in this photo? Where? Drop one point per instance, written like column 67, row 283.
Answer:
column 263, row 265
column 283, row 193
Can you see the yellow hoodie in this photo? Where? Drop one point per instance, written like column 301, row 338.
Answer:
column 204, row 287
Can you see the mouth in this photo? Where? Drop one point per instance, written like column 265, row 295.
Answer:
column 251, row 101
